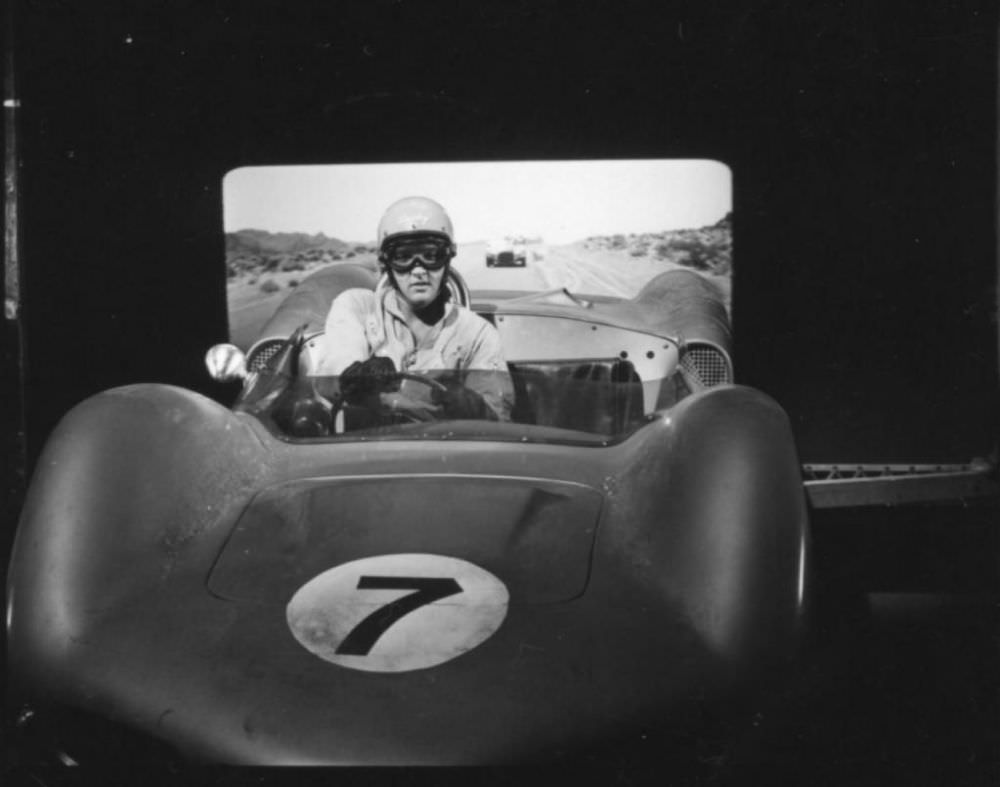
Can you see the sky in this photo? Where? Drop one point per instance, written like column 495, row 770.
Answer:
column 558, row 201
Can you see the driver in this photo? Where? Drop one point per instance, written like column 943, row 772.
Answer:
column 409, row 323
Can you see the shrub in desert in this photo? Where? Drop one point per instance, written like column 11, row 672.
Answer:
column 663, row 251
column 269, row 286
column 236, row 266
column 696, row 253
column 722, row 265
column 293, row 283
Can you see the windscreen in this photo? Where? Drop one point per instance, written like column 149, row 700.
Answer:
column 593, row 402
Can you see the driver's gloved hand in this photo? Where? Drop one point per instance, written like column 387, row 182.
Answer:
column 457, row 401
column 363, row 378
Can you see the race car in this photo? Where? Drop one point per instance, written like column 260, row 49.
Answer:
column 305, row 579
column 506, row 253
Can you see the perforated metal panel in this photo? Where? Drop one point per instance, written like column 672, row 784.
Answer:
column 705, row 365
column 262, row 353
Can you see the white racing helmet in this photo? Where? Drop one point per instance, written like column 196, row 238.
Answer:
column 414, row 217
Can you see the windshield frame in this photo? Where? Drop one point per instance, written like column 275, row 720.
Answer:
column 270, row 397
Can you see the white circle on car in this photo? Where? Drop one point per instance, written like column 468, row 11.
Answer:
column 394, row 613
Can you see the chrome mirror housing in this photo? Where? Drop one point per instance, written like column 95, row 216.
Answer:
column 226, row 362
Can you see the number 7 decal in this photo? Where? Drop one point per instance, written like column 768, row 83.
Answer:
column 339, row 616
column 363, row 637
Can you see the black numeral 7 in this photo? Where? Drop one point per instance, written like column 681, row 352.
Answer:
column 428, row 590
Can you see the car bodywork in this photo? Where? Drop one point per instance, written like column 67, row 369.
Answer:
column 633, row 540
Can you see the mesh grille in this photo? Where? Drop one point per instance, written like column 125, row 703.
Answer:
column 262, row 353
column 705, row 365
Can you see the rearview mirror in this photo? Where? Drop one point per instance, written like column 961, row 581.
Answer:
column 226, row 362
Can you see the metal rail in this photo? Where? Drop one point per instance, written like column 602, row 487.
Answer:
column 847, row 485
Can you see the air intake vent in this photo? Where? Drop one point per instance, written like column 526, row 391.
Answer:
column 261, row 353
column 705, row 365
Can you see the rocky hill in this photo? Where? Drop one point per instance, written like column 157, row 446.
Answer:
column 708, row 249
column 253, row 252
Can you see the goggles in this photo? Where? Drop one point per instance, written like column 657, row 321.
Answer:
column 404, row 257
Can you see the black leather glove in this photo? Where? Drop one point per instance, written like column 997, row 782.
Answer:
column 457, row 401
column 363, row 378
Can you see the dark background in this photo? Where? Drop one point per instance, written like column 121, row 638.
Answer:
column 862, row 146
column 862, row 139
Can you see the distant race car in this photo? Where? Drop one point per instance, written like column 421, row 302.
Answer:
column 506, row 253
column 298, row 579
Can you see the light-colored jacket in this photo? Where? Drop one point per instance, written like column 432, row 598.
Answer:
column 363, row 323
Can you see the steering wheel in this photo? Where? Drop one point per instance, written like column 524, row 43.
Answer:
column 424, row 414
column 430, row 382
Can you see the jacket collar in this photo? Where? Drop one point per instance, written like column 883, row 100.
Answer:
column 389, row 297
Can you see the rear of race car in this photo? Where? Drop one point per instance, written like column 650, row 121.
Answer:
column 248, row 599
